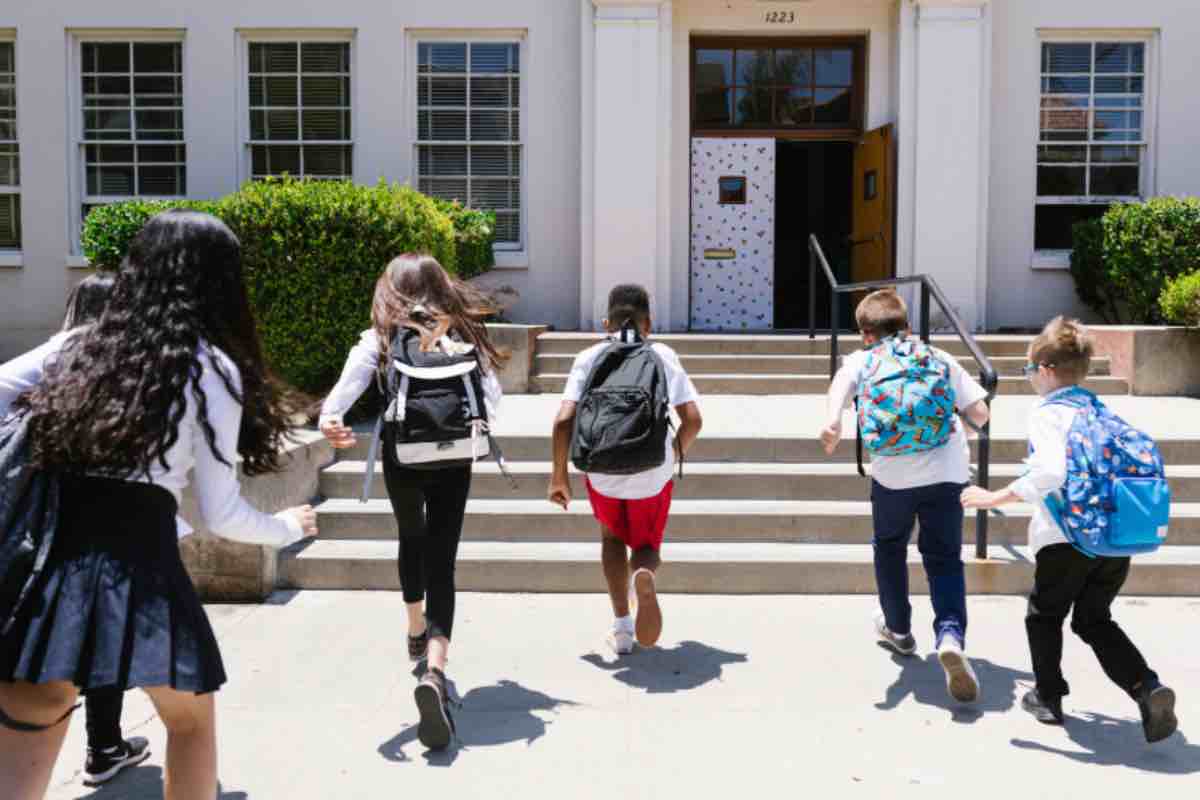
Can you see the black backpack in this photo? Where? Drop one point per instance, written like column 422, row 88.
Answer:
column 29, row 500
column 435, row 416
column 624, row 413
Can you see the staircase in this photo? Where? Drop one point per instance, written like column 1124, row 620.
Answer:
column 760, row 508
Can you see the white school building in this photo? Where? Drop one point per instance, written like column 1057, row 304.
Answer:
column 691, row 145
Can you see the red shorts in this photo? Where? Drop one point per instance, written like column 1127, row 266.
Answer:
column 638, row 523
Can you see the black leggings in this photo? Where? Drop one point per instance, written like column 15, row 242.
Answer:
column 429, row 506
column 103, row 711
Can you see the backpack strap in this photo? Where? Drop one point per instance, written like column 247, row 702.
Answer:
column 858, row 444
column 395, row 388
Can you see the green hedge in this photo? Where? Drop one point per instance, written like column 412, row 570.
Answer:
column 1124, row 261
column 313, row 251
column 1180, row 301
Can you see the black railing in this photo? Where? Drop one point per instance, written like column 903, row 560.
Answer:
column 929, row 290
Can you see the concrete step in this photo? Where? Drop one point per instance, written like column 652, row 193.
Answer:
column 796, row 521
column 776, row 344
column 759, row 384
column 747, row 364
column 700, row 568
column 702, row 481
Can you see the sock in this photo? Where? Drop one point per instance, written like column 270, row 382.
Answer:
column 624, row 623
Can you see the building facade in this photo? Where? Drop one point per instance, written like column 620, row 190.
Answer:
column 691, row 145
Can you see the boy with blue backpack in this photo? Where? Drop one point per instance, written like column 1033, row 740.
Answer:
column 909, row 397
column 1100, row 496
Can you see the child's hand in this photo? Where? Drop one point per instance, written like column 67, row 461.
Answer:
column 338, row 434
column 978, row 497
column 306, row 517
column 559, row 493
column 831, row 434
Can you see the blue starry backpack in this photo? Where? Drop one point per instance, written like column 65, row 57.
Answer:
column 905, row 400
column 1116, row 501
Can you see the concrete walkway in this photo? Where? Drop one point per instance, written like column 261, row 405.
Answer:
column 776, row 696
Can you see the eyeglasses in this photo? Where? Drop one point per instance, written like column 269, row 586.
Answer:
column 1031, row 368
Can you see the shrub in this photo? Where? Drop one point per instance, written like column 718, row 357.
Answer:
column 1143, row 246
column 474, row 237
column 313, row 251
column 1087, row 268
column 1180, row 301
column 108, row 230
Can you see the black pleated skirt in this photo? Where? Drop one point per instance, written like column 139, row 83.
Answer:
column 115, row 606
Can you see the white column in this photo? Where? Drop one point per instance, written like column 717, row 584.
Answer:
column 948, row 100
column 625, row 152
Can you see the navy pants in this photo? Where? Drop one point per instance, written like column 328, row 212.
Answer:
column 938, row 510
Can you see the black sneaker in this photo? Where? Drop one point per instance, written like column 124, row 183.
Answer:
column 104, row 765
column 418, row 647
column 436, row 728
column 1157, row 704
column 905, row 645
column 1048, row 712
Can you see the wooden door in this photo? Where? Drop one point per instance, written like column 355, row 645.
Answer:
column 873, row 240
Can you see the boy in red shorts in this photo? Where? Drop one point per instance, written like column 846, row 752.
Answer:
column 632, row 509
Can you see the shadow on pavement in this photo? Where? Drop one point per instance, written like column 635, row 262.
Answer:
column 143, row 782
column 486, row 716
column 687, row 665
column 1111, row 742
column 925, row 681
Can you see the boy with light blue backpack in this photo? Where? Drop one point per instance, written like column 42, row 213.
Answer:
column 1100, row 495
column 909, row 398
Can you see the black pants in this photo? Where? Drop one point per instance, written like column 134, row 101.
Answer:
column 1065, row 578
column 103, row 710
column 429, row 506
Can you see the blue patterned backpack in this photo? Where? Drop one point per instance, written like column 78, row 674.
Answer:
column 1116, row 501
column 905, row 400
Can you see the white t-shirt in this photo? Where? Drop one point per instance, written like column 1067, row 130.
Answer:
column 950, row 463
column 1049, row 425
column 680, row 390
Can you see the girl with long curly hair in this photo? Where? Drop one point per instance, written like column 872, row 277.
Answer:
column 168, row 380
column 416, row 294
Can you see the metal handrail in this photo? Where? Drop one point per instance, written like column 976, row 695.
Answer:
column 929, row 289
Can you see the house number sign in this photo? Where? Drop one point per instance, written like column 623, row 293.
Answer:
column 779, row 17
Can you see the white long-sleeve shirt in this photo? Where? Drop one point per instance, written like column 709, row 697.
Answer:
column 218, row 491
column 360, row 370
column 1049, row 426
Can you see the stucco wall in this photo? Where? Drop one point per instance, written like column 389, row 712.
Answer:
column 31, row 297
column 1019, row 295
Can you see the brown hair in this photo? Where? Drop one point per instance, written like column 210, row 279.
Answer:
column 1065, row 346
column 882, row 313
column 415, row 292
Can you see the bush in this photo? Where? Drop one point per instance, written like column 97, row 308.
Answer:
column 1087, row 268
column 1143, row 246
column 474, row 237
column 313, row 251
column 108, row 230
column 1180, row 301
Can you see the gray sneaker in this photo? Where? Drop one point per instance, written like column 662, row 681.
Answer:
column 905, row 645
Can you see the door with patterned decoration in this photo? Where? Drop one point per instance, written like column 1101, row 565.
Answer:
column 733, row 234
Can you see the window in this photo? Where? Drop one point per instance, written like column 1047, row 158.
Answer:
column 1092, row 141
column 10, row 155
column 775, row 86
column 469, row 128
column 300, row 109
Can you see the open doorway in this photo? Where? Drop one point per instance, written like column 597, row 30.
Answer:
column 814, row 184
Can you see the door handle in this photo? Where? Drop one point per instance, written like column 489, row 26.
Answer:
column 857, row 240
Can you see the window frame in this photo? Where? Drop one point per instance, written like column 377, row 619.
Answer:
column 1060, row 259
column 76, row 155
column 509, row 255
column 249, row 36
column 12, row 256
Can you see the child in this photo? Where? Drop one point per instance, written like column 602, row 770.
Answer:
column 1064, row 577
column 415, row 293
column 632, row 509
column 921, row 486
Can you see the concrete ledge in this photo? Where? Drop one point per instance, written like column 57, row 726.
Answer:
column 1156, row 361
column 234, row 572
column 520, row 341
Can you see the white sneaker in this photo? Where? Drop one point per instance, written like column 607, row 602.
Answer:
column 961, row 682
column 620, row 640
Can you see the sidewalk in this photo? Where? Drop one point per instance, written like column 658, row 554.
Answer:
column 775, row 696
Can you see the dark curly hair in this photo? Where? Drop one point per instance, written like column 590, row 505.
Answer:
column 113, row 398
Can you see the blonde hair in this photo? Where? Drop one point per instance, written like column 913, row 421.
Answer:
column 882, row 313
column 1064, row 346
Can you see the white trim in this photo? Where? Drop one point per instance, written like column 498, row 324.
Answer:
column 12, row 259
column 982, row 262
column 1056, row 260
column 606, row 14
column 78, row 262
column 663, row 317
column 587, row 171
column 511, row 259
column 950, row 14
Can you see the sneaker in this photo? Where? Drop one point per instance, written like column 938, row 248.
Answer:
column 436, row 728
column 1157, row 704
column 1048, row 712
column 905, row 645
column 620, row 640
column 648, row 622
column 961, row 682
column 104, row 765
column 418, row 647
